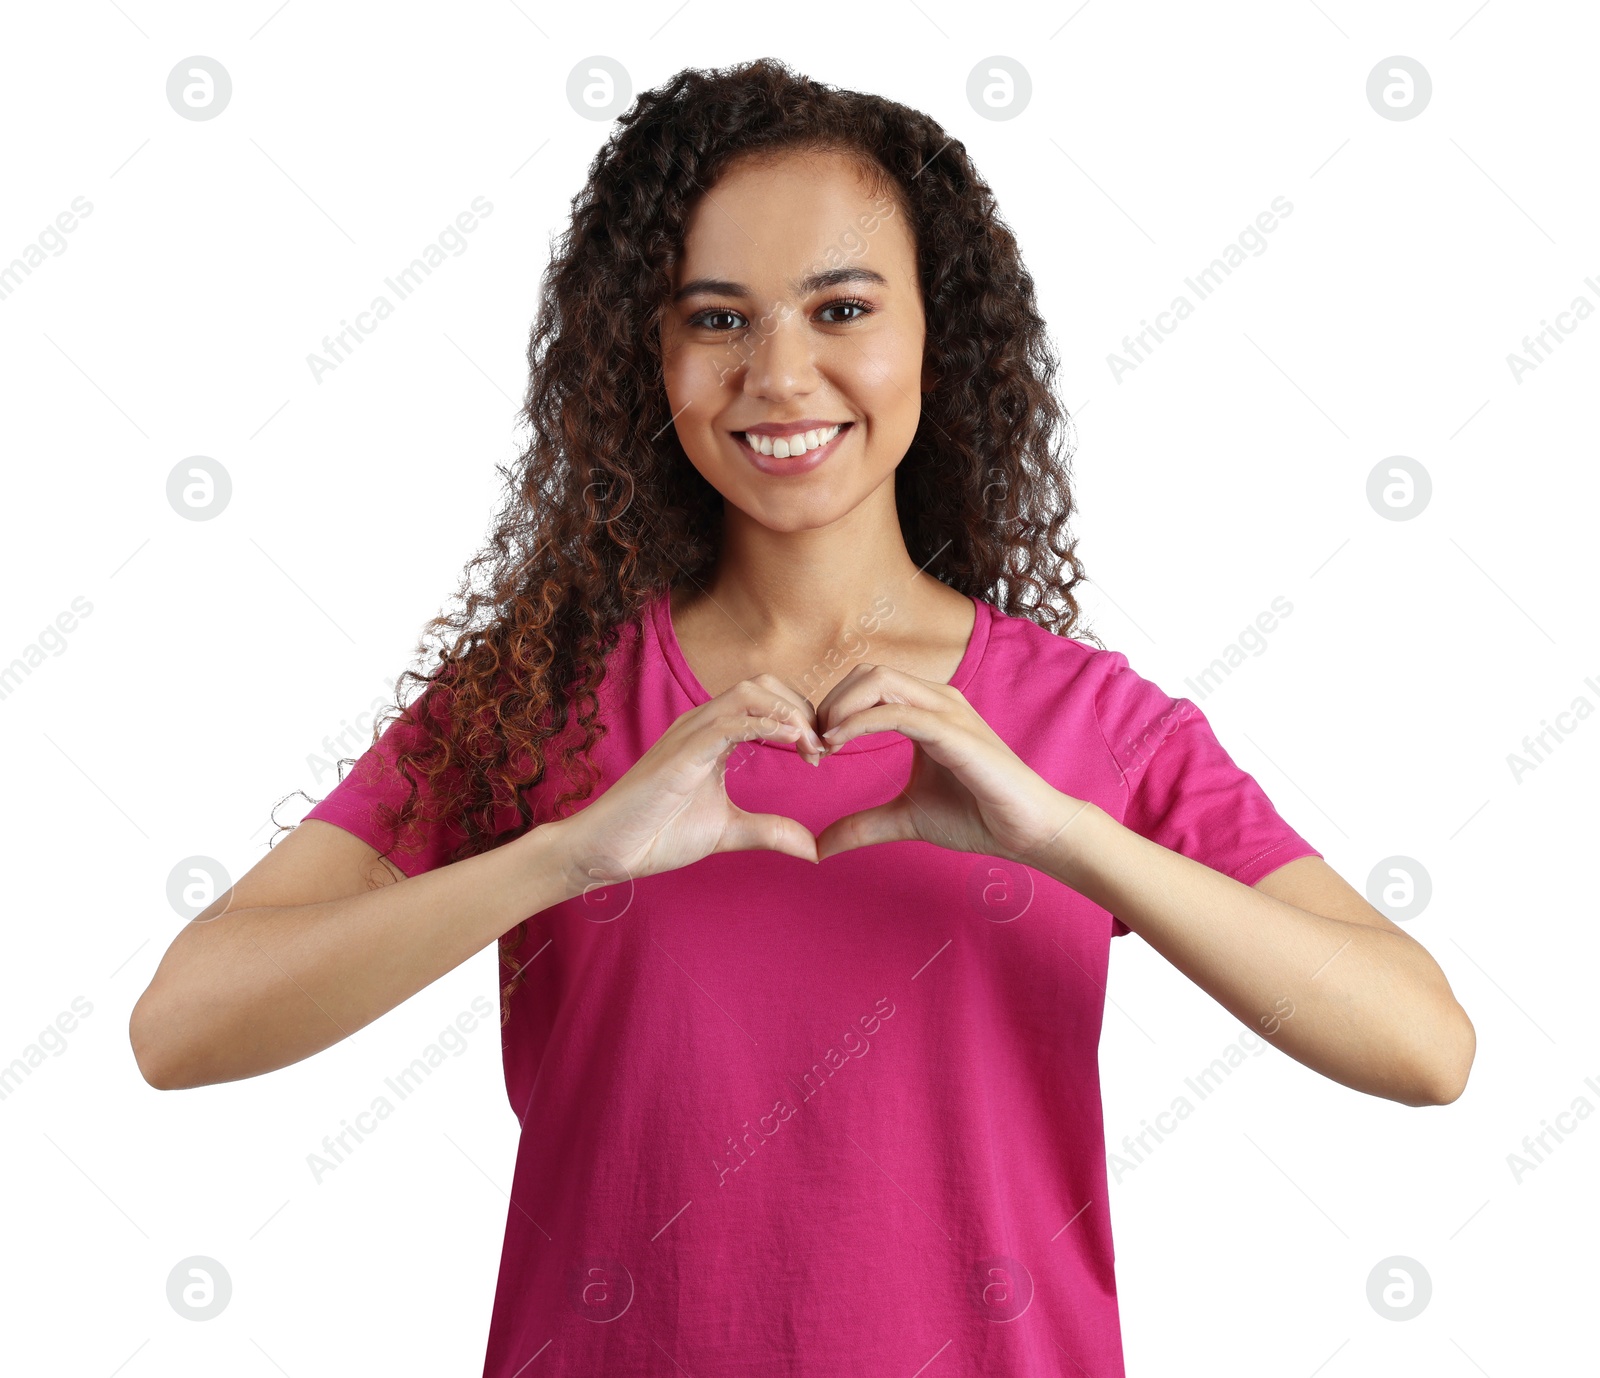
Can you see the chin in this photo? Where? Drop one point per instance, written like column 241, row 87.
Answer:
column 794, row 511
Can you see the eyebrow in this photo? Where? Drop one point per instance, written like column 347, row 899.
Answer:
column 812, row 282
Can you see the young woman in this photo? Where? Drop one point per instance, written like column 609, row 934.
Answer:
column 802, row 824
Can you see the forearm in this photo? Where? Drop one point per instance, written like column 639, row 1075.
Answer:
column 260, row 988
column 1366, row 1006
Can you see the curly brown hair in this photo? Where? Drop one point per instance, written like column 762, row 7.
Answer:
column 603, row 509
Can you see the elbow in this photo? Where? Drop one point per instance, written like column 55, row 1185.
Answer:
column 154, row 1062
column 1449, row 1062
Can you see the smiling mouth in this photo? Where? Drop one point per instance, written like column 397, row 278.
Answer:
column 791, row 446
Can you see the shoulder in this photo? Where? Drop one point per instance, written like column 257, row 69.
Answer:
column 1019, row 645
column 1021, row 636
column 1088, row 685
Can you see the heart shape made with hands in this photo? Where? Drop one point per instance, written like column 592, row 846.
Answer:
column 967, row 790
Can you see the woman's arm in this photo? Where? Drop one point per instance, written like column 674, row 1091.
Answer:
column 321, row 936
column 1370, row 1007
column 317, row 940
column 1301, row 956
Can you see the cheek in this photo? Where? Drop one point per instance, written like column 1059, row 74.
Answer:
column 889, row 368
column 892, row 394
column 679, row 382
column 698, row 387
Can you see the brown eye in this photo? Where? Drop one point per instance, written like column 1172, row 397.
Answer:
column 847, row 304
column 699, row 318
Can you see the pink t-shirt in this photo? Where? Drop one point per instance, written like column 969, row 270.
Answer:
column 833, row 1120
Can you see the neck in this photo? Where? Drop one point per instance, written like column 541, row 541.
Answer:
column 813, row 587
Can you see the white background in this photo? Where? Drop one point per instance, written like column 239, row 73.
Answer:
column 1229, row 469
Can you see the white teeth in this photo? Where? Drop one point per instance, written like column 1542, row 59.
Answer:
column 782, row 447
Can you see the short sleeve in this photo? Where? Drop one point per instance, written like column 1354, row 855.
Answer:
column 375, row 780
column 1182, row 789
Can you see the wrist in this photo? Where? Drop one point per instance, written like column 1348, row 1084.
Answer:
column 554, row 857
column 570, row 863
column 1064, row 853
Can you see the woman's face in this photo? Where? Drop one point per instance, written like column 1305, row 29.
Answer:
column 796, row 308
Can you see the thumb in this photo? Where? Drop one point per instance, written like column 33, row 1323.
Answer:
column 882, row 823
column 773, row 832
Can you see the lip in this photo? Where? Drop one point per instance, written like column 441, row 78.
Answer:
column 794, row 464
column 804, row 423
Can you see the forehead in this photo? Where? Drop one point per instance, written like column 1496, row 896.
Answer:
column 770, row 222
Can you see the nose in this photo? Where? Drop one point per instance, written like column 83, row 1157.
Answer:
column 779, row 358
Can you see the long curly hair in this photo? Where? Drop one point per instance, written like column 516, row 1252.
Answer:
column 603, row 509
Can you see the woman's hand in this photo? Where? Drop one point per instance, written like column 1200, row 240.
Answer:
column 671, row 807
column 968, row 790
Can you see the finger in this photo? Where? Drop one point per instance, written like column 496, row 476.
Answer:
column 828, row 705
column 870, row 684
column 720, row 734
column 770, row 697
column 770, row 832
column 934, row 731
column 961, row 742
column 889, row 822
column 785, row 690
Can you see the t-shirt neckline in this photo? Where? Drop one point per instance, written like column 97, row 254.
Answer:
column 667, row 641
